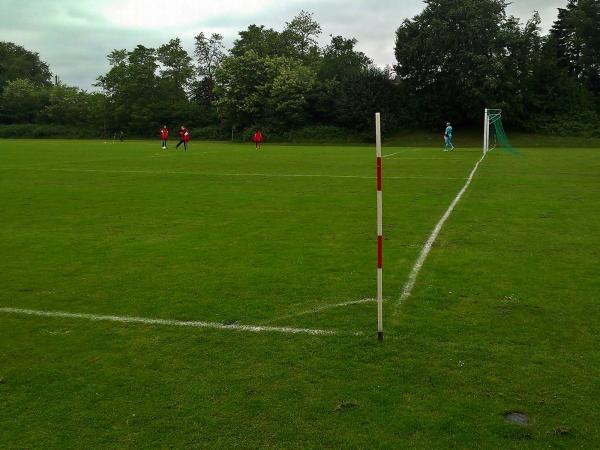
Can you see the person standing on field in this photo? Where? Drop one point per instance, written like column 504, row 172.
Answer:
column 184, row 137
column 164, row 134
column 448, row 146
column 258, row 139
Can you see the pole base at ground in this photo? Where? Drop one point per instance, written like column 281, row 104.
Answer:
column 380, row 335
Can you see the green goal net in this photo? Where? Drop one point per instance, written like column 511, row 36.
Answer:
column 494, row 134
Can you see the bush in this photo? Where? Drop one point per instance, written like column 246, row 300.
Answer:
column 585, row 124
column 211, row 133
column 40, row 131
column 315, row 133
column 319, row 133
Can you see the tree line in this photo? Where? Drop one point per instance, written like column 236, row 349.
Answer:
column 452, row 60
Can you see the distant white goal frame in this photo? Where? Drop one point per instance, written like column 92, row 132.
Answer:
column 491, row 116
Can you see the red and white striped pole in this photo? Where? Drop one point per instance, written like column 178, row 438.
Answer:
column 379, row 230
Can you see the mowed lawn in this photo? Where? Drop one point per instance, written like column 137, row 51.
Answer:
column 504, row 315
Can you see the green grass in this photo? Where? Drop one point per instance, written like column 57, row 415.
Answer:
column 504, row 315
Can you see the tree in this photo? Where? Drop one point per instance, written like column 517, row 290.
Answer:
column 66, row 105
column 132, row 89
column 241, row 85
column 263, row 42
column 519, row 63
column 289, row 93
column 17, row 62
column 456, row 57
column 176, row 65
column 209, row 53
column 143, row 94
column 351, row 101
column 576, row 38
column 339, row 75
column 269, row 91
column 303, row 32
column 173, row 83
column 351, row 89
column 114, row 88
column 340, row 58
column 556, row 101
column 22, row 100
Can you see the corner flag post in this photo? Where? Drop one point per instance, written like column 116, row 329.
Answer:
column 486, row 131
column 379, row 230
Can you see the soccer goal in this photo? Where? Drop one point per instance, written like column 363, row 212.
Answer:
column 494, row 135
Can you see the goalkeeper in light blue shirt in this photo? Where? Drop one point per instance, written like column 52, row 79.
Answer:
column 448, row 146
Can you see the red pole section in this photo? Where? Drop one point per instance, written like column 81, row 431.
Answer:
column 379, row 229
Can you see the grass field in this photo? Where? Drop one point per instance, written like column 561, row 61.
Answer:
column 504, row 315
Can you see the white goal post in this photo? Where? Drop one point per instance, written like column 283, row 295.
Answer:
column 491, row 116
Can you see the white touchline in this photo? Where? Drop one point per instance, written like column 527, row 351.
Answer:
column 167, row 322
column 402, row 158
column 266, row 175
column 412, row 278
column 220, row 152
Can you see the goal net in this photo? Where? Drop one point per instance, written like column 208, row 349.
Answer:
column 494, row 135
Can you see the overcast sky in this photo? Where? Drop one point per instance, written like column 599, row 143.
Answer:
column 74, row 36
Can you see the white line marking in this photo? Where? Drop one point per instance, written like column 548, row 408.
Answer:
column 265, row 175
column 324, row 308
column 387, row 156
column 419, row 159
column 173, row 151
column 412, row 278
column 166, row 322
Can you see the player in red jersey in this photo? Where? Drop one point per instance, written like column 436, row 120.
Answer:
column 164, row 134
column 258, row 139
column 184, row 137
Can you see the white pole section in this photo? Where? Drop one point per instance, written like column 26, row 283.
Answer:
column 379, row 230
column 486, row 131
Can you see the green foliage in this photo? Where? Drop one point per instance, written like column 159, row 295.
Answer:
column 289, row 92
column 263, row 42
column 351, row 88
column 46, row 130
column 19, row 63
column 66, row 105
column 209, row 54
column 456, row 57
column 324, row 134
column 241, row 83
column 557, row 103
column 21, row 101
column 582, row 123
column 211, row 132
column 312, row 133
column 521, row 60
column 176, row 68
column 302, row 33
column 134, row 90
column 269, row 90
column 339, row 88
column 576, row 39
column 340, row 58
column 453, row 59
